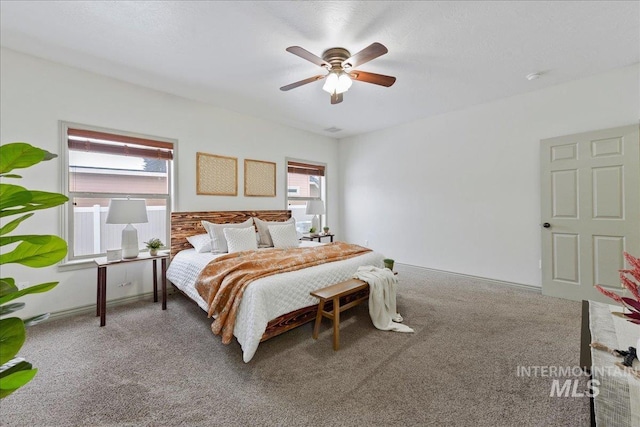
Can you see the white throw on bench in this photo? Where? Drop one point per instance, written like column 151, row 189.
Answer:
column 382, row 298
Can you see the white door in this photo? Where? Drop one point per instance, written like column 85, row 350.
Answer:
column 590, row 210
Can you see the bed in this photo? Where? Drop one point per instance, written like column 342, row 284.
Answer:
column 270, row 305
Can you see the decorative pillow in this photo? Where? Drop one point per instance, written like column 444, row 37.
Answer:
column 284, row 236
column 240, row 239
column 201, row 242
column 263, row 230
column 218, row 241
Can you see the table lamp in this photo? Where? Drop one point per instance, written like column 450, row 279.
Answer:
column 128, row 211
column 315, row 208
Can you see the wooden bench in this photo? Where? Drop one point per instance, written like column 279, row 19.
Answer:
column 333, row 293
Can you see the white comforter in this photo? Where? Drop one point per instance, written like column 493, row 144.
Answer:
column 269, row 297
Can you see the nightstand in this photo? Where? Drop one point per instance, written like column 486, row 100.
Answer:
column 318, row 237
column 103, row 265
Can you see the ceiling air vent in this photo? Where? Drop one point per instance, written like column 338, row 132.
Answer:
column 333, row 129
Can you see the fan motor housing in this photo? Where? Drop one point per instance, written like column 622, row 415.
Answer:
column 336, row 56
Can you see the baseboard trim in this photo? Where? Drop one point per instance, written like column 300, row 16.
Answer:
column 92, row 307
column 416, row 268
column 399, row 266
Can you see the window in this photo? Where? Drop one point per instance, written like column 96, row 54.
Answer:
column 104, row 165
column 305, row 181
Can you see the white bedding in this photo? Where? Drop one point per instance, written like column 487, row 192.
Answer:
column 269, row 297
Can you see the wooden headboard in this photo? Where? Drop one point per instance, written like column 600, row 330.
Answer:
column 185, row 224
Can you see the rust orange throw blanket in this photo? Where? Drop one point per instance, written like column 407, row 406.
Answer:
column 223, row 281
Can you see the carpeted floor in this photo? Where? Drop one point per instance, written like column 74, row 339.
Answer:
column 150, row 367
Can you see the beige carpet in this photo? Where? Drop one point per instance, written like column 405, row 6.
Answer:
column 153, row 368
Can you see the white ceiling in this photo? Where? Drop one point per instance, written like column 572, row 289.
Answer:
column 446, row 55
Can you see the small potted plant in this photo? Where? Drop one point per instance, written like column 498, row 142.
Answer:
column 312, row 230
column 325, row 229
column 153, row 245
column 388, row 263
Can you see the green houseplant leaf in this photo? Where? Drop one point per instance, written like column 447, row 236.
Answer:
column 21, row 155
column 45, row 252
column 42, row 200
column 18, row 364
column 15, row 380
column 31, row 251
column 35, row 320
column 16, row 200
column 11, row 308
column 12, row 336
column 34, row 239
column 10, row 226
column 11, row 196
column 36, row 289
column 7, row 286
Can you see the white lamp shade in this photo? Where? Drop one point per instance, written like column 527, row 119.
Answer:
column 315, row 207
column 127, row 211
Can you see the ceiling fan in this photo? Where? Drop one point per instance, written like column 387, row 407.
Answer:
column 339, row 63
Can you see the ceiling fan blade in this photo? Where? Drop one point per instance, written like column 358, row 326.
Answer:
column 302, row 82
column 376, row 79
column 305, row 54
column 365, row 55
column 336, row 98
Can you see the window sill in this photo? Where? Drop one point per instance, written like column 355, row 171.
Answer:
column 76, row 265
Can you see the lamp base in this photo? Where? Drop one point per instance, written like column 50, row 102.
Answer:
column 315, row 223
column 130, row 248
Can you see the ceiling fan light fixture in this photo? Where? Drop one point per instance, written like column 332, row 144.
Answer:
column 337, row 82
column 330, row 83
column 344, row 83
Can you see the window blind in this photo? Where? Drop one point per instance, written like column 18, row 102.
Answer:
column 107, row 143
column 305, row 168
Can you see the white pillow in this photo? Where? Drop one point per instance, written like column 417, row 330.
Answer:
column 284, row 236
column 263, row 230
column 201, row 242
column 240, row 239
column 218, row 241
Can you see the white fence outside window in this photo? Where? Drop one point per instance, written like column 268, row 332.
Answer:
column 93, row 236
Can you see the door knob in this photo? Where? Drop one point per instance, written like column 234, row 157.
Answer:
column 546, row 225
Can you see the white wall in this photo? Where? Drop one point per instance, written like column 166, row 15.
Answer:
column 457, row 192
column 460, row 192
column 36, row 94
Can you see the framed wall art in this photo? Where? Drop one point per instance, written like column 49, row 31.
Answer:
column 216, row 175
column 259, row 178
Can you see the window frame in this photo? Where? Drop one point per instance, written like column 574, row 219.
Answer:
column 323, row 187
column 67, row 215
